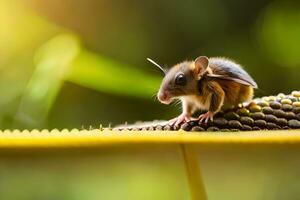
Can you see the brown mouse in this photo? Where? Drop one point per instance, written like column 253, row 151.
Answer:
column 208, row 84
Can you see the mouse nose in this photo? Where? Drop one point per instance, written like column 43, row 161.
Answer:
column 163, row 97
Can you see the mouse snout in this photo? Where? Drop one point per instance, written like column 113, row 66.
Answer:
column 164, row 97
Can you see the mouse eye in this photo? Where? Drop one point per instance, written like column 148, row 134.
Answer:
column 180, row 80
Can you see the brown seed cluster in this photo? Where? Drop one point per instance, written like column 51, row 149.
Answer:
column 266, row 113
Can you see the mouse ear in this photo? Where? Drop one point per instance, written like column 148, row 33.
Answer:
column 201, row 63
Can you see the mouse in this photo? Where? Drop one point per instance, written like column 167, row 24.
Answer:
column 207, row 84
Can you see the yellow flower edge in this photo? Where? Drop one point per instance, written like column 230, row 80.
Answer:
column 94, row 138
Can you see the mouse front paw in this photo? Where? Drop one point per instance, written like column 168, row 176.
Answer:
column 206, row 117
column 180, row 119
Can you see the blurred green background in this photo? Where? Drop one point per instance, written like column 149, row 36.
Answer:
column 74, row 63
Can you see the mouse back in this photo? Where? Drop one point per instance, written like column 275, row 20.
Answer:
column 229, row 70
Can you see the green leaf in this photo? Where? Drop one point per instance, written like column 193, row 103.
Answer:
column 99, row 73
column 52, row 62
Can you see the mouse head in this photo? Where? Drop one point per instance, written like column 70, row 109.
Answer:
column 182, row 80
